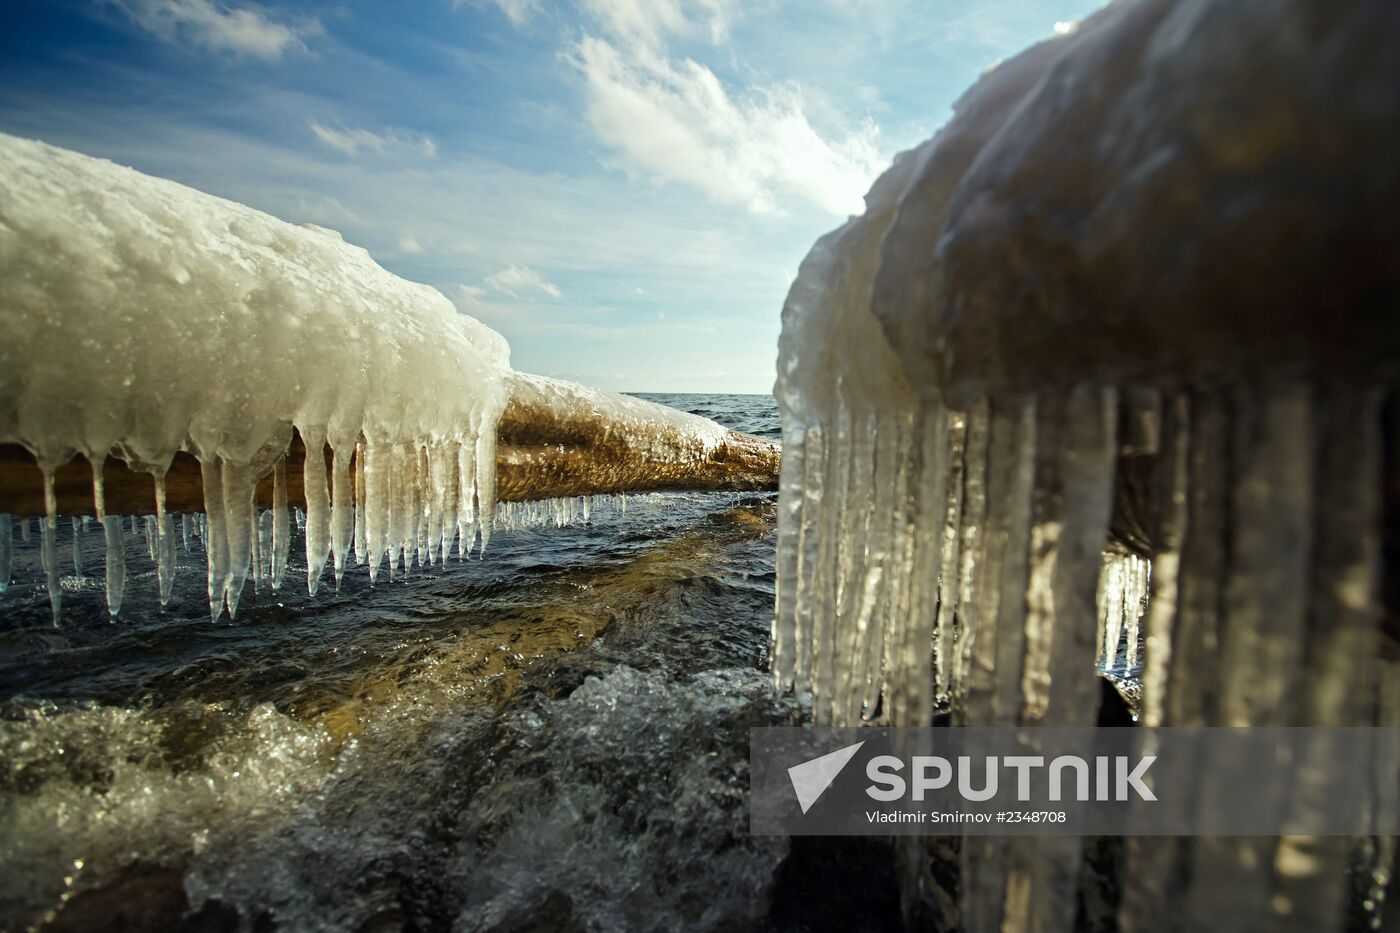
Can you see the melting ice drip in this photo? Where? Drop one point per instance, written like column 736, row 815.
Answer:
column 964, row 369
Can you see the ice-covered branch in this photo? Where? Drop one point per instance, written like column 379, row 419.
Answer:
column 196, row 350
column 543, row 451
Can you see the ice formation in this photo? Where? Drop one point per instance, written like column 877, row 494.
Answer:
column 142, row 318
column 1168, row 233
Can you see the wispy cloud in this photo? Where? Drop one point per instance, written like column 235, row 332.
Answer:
column 517, row 11
column 353, row 140
column 673, row 120
column 650, row 22
column 408, row 244
column 516, row 280
column 220, row 27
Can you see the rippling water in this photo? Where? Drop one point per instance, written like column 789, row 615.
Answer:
column 554, row 737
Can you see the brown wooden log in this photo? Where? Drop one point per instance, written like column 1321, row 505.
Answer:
column 541, row 454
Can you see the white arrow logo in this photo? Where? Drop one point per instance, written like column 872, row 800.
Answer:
column 811, row 778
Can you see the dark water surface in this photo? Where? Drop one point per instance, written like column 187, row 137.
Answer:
column 554, row 737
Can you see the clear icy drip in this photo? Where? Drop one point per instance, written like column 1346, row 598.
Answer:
column 361, row 548
column 115, row 563
column 342, row 508
column 77, row 523
column 318, row 508
column 165, row 543
column 7, row 550
column 281, row 523
column 48, row 542
column 1122, row 598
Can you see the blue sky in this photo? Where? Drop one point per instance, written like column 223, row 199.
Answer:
column 623, row 188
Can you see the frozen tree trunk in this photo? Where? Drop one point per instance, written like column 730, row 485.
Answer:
column 566, row 441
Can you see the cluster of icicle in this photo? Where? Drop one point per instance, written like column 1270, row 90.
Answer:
column 144, row 318
column 393, row 528
column 1122, row 602
column 391, row 504
column 943, row 526
column 556, row 513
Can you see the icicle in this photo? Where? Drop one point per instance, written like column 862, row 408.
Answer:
column 821, row 601
column 24, row 530
column 1341, row 652
column 318, row 509
column 1115, row 572
column 485, row 478
column 164, row 543
column 342, row 506
column 910, row 629
column 1135, row 604
column 239, row 485
column 400, row 503
column 256, row 549
column 982, row 634
column 7, row 551
column 77, row 546
column 468, row 518
column 1073, row 500
column 974, row 516
column 451, row 490
column 1266, row 599
column 281, row 523
column 415, row 543
column 1166, row 558
column 361, row 547
column 1268, row 592
column 378, row 464
column 808, row 548
column 49, row 545
column 115, row 557
column 422, row 496
column 215, row 533
column 186, row 530
column 874, row 543
column 436, row 487
column 992, row 696
column 944, row 622
column 857, row 643
column 148, row 531
column 1193, row 664
column 1152, row 887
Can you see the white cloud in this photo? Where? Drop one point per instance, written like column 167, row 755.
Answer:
column 650, row 22
column 517, row 11
column 352, row 140
column 675, row 121
column 408, row 244
column 219, row 27
column 516, row 280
